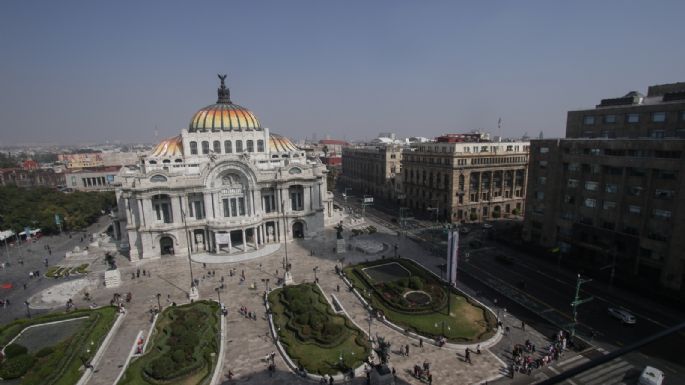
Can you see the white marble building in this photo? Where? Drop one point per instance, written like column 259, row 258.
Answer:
column 224, row 186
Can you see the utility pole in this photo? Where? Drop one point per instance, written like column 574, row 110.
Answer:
column 577, row 301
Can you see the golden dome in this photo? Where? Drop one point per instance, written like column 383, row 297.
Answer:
column 278, row 143
column 171, row 147
column 224, row 115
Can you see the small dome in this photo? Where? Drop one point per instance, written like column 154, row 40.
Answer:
column 172, row 147
column 278, row 143
column 224, row 115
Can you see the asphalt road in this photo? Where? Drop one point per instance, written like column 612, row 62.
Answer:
column 549, row 291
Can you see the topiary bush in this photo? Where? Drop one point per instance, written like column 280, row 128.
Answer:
column 415, row 283
column 17, row 366
column 15, row 350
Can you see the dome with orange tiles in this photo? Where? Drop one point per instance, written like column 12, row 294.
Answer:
column 170, row 147
column 224, row 115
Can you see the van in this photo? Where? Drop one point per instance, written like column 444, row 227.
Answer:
column 651, row 376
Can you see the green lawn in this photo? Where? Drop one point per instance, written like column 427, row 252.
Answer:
column 312, row 334
column 465, row 323
column 62, row 364
column 183, row 349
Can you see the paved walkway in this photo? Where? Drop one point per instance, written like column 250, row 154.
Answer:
column 249, row 341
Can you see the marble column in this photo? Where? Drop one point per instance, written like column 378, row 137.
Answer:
column 244, row 240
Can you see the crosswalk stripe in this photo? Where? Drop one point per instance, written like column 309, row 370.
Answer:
column 605, row 379
column 571, row 360
column 588, row 378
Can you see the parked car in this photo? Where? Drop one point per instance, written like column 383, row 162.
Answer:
column 651, row 376
column 487, row 226
column 623, row 315
column 464, row 230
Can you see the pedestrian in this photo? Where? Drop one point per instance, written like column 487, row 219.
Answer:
column 330, row 380
column 478, row 349
column 401, row 350
column 523, row 326
column 133, row 275
column 144, row 272
column 338, row 288
column 421, row 342
column 430, row 379
column 467, row 356
column 138, row 273
column 406, row 350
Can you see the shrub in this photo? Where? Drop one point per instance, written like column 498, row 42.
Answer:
column 46, row 351
column 17, row 366
column 473, row 216
column 178, row 356
column 416, row 283
column 15, row 350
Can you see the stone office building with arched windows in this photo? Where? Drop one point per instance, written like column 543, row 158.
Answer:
column 224, row 186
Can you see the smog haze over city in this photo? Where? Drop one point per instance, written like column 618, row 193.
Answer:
column 84, row 72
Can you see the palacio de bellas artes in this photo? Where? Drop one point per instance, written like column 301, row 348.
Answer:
column 225, row 188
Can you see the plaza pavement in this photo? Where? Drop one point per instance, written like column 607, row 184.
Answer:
column 249, row 341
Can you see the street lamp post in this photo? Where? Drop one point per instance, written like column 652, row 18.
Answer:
column 28, row 309
column 188, row 240
column 316, row 268
column 218, row 293
column 370, row 321
column 285, row 235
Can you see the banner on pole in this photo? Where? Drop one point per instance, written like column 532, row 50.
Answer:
column 452, row 256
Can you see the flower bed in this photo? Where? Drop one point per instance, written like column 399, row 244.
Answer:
column 62, row 363
column 312, row 334
column 466, row 321
column 184, row 347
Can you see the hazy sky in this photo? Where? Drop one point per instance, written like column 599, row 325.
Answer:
column 89, row 71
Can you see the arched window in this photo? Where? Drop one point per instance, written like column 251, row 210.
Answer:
column 250, row 146
column 228, row 148
column 238, row 146
column 260, row 146
column 217, row 147
column 193, row 148
column 205, row 147
column 153, row 162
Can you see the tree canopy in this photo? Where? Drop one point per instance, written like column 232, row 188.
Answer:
column 36, row 208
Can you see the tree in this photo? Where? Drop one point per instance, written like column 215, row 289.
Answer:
column 383, row 349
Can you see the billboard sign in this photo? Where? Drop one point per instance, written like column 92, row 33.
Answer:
column 452, row 256
column 368, row 199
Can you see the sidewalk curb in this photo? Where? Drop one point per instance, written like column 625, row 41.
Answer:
column 103, row 347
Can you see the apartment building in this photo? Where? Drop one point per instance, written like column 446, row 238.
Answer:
column 609, row 196
column 373, row 170
column 466, row 178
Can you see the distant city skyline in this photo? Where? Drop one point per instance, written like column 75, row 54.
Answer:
column 90, row 72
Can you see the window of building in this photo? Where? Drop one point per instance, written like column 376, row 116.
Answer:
column 609, row 119
column 589, row 202
column 664, row 194
column 633, row 209
column 543, row 164
column 260, row 145
column 217, row 147
column 539, row 195
column 635, row 191
column 193, row 148
column 570, row 199
column 238, row 146
column 609, row 205
column 572, row 183
column 588, row 120
column 228, row 148
column 596, row 169
column 542, row 180
column 205, row 147
column 658, row 117
column 591, row 186
column 657, row 134
column 611, row 188
column 662, row 214
column 574, row 167
column 483, row 148
column 596, row 151
column 633, row 118
column 544, row 150
column 250, row 146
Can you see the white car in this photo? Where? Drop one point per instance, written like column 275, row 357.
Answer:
column 651, row 376
column 487, row 226
column 622, row 315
